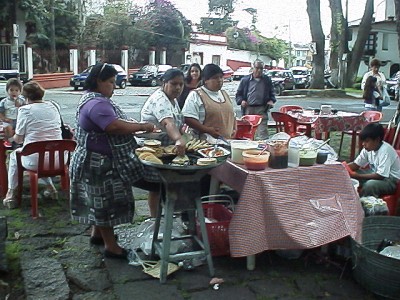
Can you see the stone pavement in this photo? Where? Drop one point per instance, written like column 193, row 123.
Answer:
column 57, row 262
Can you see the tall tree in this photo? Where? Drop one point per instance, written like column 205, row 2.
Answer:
column 217, row 25
column 397, row 11
column 317, row 35
column 354, row 57
column 338, row 40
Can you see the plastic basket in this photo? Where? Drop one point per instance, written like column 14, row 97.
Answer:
column 378, row 273
column 217, row 232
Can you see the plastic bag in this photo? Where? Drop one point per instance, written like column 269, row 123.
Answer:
column 144, row 237
column 374, row 206
column 391, row 251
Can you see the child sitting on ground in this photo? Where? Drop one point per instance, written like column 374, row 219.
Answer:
column 377, row 167
column 9, row 108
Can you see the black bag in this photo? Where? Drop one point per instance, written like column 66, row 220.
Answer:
column 66, row 131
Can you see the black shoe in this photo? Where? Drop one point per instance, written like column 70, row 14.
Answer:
column 123, row 255
column 98, row 240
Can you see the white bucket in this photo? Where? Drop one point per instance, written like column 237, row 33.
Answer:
column 238, row 146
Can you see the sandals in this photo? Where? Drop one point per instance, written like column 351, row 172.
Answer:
column 10, row 203
column 98, row 240
column 122, row 255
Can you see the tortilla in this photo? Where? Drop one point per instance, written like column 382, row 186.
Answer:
column 143, row 155
column 170, row 149
column 180, row 160
column 206, row 161
column 153, row 159
column 145, row 149
column 152, row 143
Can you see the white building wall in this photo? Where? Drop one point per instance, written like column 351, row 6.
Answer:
column 247, row 56
column 391, row 55
column 208, row 51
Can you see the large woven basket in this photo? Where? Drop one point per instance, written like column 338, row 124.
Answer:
column 378, row 273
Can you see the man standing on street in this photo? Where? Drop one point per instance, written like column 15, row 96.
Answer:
column 256, row 96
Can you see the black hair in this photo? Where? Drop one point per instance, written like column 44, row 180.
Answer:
column 372, row 131
column 210, row 70
column 14, row 82
column 171, row 74
column 100, row 71
column 189, row 78
column 367, row 93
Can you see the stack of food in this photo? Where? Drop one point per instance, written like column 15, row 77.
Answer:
column 196, row 144
column 148, row 154
column 156, row 146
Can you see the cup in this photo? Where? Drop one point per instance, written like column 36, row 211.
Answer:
column 293, row 157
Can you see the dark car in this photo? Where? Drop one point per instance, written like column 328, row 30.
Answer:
column 392, row 86
column 78, row 80
column 149, row 75
column 283, row 76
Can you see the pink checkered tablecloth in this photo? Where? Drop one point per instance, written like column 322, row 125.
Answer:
column 343, row 122
column 292, row 208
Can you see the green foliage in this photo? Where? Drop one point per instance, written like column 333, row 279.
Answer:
column 162, row 25
column 245, row 39
column 357, row 86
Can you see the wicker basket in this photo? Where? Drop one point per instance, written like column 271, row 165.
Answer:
column 378, row 273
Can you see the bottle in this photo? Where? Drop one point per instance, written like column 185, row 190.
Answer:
column 293, row 157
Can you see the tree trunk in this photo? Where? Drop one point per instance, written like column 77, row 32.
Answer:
column 338, row 40
column 317, row 34
column 358, row 49
column 397, row 10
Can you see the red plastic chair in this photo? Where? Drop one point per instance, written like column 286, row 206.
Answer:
column 392, row 200
column 48, row 166
column 371, row 117
column 255, row 120
column 244, row 130
column 286, row 123
column 286, row 108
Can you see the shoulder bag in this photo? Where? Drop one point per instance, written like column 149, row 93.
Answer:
column 66, row 132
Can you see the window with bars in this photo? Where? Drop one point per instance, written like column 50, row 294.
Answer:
column 370, row 44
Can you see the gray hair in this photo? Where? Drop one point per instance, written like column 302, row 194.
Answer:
column 258, row 61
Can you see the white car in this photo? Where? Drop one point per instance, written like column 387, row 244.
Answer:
column 241, row 72
column 301, row 76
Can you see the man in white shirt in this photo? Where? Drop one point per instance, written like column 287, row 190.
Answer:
column 381, row 163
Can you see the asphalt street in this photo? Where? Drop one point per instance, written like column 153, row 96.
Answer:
column 132, row 98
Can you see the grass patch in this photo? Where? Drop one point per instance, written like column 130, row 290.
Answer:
column 13, row 253
column 353, row 90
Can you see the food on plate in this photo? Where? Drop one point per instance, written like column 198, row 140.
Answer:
column 211, row 152
column 150, row 157
column 143, row 155
column 180, row 160
column 145, row 149
column 171, row 149
column 205, row 161
column 152, row 143
column 196, row 144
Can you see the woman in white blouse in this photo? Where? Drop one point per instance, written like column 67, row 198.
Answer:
column 37, row 121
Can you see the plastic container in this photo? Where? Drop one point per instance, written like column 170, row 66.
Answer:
column 279, row 154
column 378, row 273
column 293, row 157
column 237, row 148
column 308, row 157
column 255, row 161
column 326, row 109
column 322, row 157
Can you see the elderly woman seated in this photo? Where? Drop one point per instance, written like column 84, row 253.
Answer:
column 37, row 121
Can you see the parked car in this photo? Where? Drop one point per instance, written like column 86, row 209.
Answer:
column 283, row 76
column 149, row 75
column 78, row 80
column 241, row 72
column 184, row 68
column 392, row 86
column 301, row 76
column 228, row 72
column 3, row 92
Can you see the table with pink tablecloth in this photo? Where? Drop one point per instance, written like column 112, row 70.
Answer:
column 292, row 208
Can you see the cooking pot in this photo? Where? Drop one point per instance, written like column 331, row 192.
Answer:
column 308, row 156
column 237, row 148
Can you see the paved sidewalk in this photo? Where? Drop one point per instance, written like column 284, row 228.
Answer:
column 57, row 262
